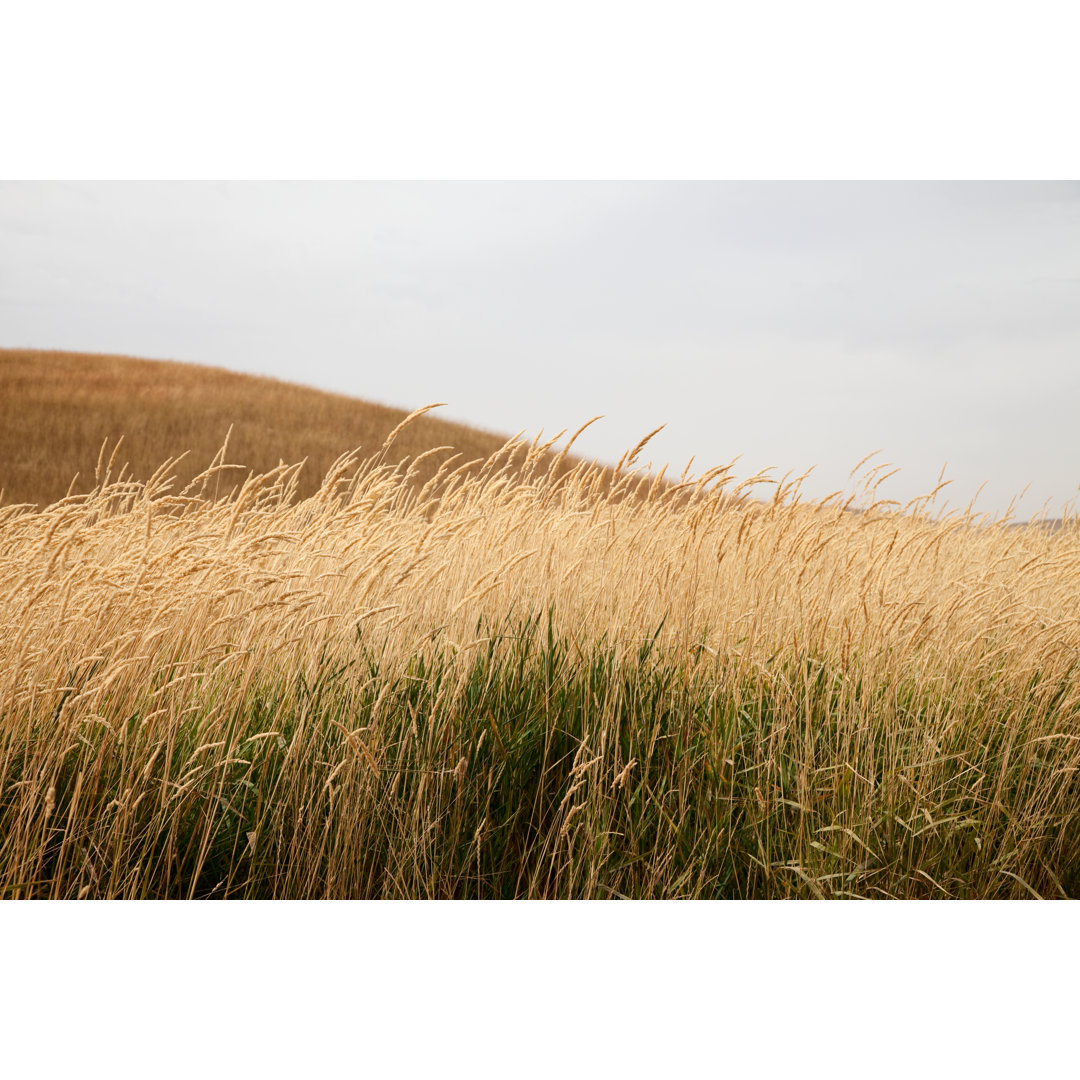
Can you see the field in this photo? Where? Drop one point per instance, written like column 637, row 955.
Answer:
column 531, row 678
column 56, row 408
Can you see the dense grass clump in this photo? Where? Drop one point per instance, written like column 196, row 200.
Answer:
column 523, row 682
column 528, row 769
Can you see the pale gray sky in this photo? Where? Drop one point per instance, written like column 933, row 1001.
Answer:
column 797, row 324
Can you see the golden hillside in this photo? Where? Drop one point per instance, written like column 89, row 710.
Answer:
column 57, row 408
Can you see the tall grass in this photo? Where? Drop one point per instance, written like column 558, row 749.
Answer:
column 516, row 682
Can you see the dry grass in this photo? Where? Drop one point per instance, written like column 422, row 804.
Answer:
column 521, row 683
column 56, row 410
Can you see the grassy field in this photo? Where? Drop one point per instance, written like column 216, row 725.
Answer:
column 56, row 409
column 519, row 682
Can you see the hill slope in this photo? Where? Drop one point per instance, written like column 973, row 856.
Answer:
column 56, row 409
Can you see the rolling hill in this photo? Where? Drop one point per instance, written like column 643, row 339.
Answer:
column 57, row 408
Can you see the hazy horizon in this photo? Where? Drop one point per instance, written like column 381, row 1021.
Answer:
column 793, row 323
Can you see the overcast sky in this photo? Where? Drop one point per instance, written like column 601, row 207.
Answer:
column 796, row 324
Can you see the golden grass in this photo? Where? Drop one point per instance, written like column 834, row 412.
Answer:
column 518, row 682
column 57, row 408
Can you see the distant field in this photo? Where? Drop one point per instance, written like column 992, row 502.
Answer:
column 57, row 408
column 517, row 682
